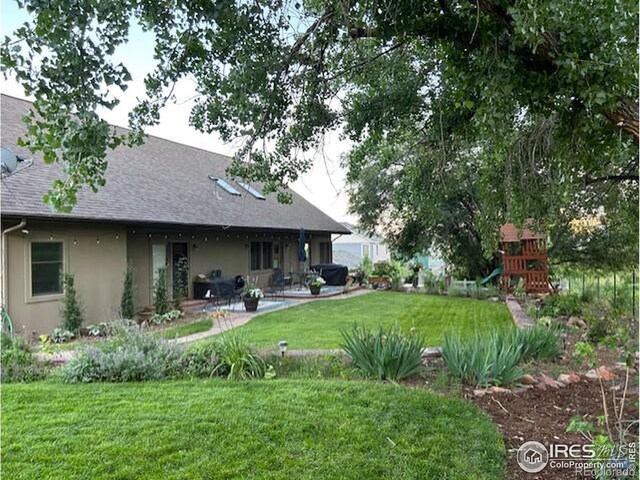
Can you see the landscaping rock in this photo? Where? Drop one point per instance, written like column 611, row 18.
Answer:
column 577, row 322
column 569, row 379
column 499, row 390
column 605, row 374
column 547, row 381
column 527, row 380
column 591, row 374
column 480, row 392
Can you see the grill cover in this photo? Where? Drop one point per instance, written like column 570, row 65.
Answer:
column 332, row 273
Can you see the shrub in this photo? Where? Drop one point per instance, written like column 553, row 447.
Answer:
column 160, row 292
column 601, row 319
column 393, row 270
column 72, row 316
column 493, row 358
column 130, row 356
column 60, row 335
column 168, row 317
column 561, row 305
column 127, row 305
column 385, row 354
column 200, row 359
column 454, row 291
column 236, row 360
column 181, row 282
column 17, row 364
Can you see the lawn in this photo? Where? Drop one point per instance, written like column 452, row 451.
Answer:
column 317, row 324
column 184, row 329
column 268, row 429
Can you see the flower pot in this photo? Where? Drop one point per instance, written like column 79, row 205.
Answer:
column 315, row 289
column 251, row 304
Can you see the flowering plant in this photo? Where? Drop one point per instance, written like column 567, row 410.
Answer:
column 317, row 282
column 254, row 293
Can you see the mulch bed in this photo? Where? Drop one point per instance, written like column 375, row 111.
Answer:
column 543, row 416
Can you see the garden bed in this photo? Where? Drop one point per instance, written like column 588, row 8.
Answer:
column 543, row 416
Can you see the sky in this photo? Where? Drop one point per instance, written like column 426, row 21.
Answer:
column 323, row 185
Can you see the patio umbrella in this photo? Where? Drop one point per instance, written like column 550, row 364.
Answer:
column 302, row 255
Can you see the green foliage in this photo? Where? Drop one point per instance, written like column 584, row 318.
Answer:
column 201, row 359
column 131, row 356
column 386, row 354
column 393, row 270
column 161, row 295
column 494, row 358
column 236, row 360
column 72, row 315
column 60, row 335
column 168, row 317
column 127, row 302
column 561, row 304
column 180, row 282
column 17, row 363
column 602, row 320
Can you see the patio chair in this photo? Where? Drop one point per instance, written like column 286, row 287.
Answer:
column 225, row 292
column 277, row 283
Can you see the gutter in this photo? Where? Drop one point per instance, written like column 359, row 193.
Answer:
column 5, row 259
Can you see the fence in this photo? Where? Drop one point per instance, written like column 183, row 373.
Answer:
column 620, row 288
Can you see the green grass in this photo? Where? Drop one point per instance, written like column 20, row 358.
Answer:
column 317, row 324
column 185, row 329
column 217, row 429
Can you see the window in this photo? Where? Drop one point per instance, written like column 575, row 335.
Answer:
column 224, row 185
column 46, row 268
column 267, row 255
column 261, row 255
column 365, row 250
column 252, row 190
column 325, row 252
column 255, row 255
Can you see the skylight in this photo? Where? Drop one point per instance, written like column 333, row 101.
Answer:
column 222, row 183
column 252, row 190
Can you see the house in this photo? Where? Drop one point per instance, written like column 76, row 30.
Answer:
column 350, row 250
column 164, row 205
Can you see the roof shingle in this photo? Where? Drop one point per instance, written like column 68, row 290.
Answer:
column 160, row 182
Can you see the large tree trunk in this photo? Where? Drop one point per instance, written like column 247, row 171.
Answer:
column 625, row 116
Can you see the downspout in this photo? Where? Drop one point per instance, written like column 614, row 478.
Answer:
column 5, row 258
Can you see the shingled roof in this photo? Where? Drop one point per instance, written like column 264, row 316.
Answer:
column 160, row 182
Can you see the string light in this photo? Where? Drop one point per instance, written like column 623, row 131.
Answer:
column 117, row 236
column 51, row 236
column 98, row 241
column 75, row 242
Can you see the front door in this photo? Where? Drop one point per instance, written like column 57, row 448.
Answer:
column 180, row 269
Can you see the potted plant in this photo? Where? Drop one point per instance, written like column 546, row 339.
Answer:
column 251, row 298
column 315, row 285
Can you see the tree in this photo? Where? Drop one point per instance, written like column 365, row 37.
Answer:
column 161, row 294
column 72, row 316
column 127, row 305
column 543, row 95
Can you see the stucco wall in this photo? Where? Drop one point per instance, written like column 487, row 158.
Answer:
column 96, row 255
column 228, row 252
